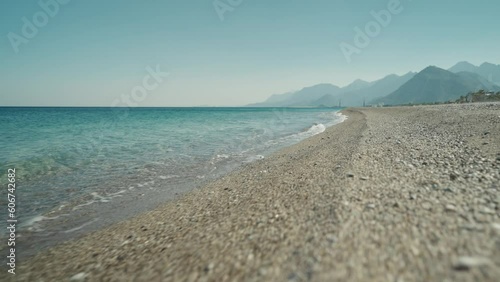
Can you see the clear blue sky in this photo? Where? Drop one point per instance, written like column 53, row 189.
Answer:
column 91, row 52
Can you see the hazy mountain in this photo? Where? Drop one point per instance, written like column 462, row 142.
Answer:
column 475, row 79
column 379, row 88
column 304, row 97
column 327, row 100
column 463, row 66
column 356, row 85
column 489, row 71
column 310, row 94
column 274, row 100
column 434, row 84
column 330, row 95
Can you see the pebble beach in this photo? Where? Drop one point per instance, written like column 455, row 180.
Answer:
column 390, row 194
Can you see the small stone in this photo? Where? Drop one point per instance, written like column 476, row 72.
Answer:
column 496, row 227
column 466, row 263
column 481, row 218
column 370, row 206
column 472, row 227
column 426, row 205
column 415, row 251
column 120, row 258
column 78, row 277
column 331, row 238
column 486, row 210
column 262, row 271
column 413, row 196
column 450, row 208
column 350, row 175
column 363, row 178
column 293, row 276
column 209, row 267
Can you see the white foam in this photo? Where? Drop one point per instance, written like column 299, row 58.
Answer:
column 81, row 226
column 100, row 198
column 84, row 204
column 167, row 176
column 316, row 129
column 254, row 158
column 117, row 194
column 33, row 220
column 340, row 117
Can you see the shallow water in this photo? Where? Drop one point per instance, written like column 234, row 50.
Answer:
column 81, row 168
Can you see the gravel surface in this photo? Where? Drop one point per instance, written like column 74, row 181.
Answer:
column 392, row 194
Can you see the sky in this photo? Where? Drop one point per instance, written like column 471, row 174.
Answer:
column 226, row 52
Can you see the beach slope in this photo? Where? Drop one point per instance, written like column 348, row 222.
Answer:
column 391, row 194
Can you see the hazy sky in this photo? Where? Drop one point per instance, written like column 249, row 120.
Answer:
column 88, row 53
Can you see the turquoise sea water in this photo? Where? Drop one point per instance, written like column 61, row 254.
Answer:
column 73, row 159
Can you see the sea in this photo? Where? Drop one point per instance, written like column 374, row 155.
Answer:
column 81, row 169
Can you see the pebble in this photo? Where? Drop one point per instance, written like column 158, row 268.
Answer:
column 481, row 218
column 486, row 210
column 426, row 205
column 78, row 277
column 331, row 238
column 453, row 176
column 472, row 227
column 448, row 189
column 450, row 208
column 466, row 263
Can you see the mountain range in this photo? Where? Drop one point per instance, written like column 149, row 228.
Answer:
column 430, row 85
